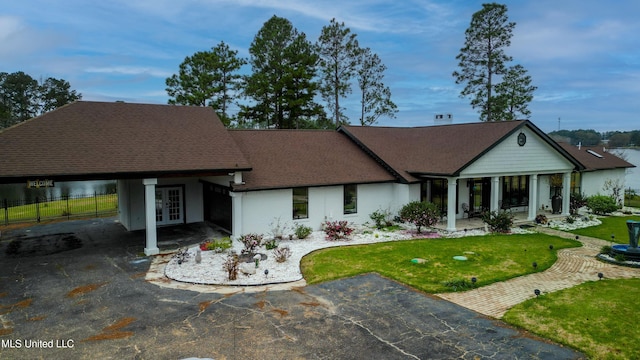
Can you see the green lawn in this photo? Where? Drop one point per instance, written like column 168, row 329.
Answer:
column 600, row 318
column 616, row 225
column 495, row 258
column 633, row 201
column 88, row 206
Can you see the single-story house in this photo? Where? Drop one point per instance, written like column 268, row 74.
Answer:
column 179, row 164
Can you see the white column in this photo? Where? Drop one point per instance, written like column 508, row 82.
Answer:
column 236, row 214
column 566, row 193
column 237, row 178
column 151, row 247
column 451, row 204
column 495, row 194
column 533, row 197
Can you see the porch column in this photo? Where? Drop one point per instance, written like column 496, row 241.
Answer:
column 236, row 213
column 151, row 247
column 533, row 197
column 451, row 204
column 566, row 193
column 495, row 194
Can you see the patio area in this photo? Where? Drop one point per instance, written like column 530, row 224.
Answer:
column 520, row 218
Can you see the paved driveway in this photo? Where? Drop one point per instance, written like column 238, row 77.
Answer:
column 93, row 302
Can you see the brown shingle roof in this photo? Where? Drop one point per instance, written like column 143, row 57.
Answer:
column 293, row 158
column 436, row 150
column 592, row 162
column 110, row 140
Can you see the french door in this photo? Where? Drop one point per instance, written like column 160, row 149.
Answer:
column 169, row 206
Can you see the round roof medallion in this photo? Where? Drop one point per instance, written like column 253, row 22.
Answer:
column 522, row 139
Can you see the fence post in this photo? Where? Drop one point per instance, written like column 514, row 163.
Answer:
column 68, row 210
column 37, row 209
column 95, row 200
column 6, row 212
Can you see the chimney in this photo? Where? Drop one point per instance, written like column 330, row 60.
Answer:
column 579, row 145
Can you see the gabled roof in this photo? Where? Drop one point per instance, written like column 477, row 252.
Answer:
column 436, row 150
column 85, row 140
column 595, row 158
column 295, row 158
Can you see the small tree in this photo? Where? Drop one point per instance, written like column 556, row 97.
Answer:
column 498, row 221
column 420, row 214
column 616, row 189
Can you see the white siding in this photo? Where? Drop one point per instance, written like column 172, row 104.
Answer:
column 507, row 157
column 593, row 181
column 261, row 208
column 132, row 210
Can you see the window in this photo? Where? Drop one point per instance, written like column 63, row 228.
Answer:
column 436, row 192
column 301, row 203
column 515, row 191
column 350, row 196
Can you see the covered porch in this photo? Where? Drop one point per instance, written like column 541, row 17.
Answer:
column 520, row 218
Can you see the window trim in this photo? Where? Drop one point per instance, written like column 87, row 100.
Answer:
column 304, row 202
column 345, row 190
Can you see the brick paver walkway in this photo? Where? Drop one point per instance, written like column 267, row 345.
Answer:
column 574, row 266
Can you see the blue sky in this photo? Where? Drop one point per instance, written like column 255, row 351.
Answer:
column 584, row 56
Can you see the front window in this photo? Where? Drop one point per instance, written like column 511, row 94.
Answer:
column 350, row 199
column 575, row 183
column 515, row 191
column 301, row 203
column 435, row 191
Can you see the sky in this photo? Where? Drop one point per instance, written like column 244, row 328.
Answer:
column 583, row 55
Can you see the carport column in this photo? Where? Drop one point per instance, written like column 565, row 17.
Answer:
column 566, row 193
column 236, row 213
column 151, row 247
column 495, row 193
column 533, row 197
column 451, row 204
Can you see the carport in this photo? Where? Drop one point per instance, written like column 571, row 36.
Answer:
column 158, row 154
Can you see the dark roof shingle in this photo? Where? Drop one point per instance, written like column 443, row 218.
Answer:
column 585, row 155
column 99, row 139
column 294, row 158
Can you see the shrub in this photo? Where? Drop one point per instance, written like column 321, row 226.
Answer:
column 570, row 219
column 601, row 204
column 382, row 218
column 606, row 250
column 271, row 244
column 251, row 242
column 337, row 230
column 231, row 265
column 421, row 214
column 217, row 245
column 459, row 284
column 278, row 228
column 576, row 201
column 302, row 231
column 282, row 254
column 498, row 221
column 541, row 219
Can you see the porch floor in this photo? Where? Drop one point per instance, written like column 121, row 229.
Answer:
column 520, row 218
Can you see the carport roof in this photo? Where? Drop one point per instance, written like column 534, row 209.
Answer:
column 101, row 140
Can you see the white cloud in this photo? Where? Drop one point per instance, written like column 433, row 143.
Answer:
column 129, row 70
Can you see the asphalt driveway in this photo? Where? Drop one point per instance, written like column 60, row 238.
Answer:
column 87, row 298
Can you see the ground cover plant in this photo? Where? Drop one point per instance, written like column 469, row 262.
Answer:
column 491, row 258
column 611, row 225
column 598, row 318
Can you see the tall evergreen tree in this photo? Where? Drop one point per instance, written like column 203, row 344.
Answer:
column 375, row 98
column 23, row 97
column 281, row 85
column 208, row 78
column 513, row 95
column 483, row 57
column 338, row 50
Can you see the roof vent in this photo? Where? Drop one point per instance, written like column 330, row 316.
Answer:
column 595, row 154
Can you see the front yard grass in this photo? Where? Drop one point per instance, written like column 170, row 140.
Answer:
column 491, row 258
column 611, row 225
column 599, row 317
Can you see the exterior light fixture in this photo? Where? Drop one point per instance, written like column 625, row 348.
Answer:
column 537, row 292
column 535, row 265
column 577, row 237
column 474, row 280
column 600, row 275
column 550, row 247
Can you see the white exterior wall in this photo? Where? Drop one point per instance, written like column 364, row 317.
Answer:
column 593, row 181
column 261, row 208
column 132, row 208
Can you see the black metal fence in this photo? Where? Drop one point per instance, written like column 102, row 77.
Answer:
column 52, row 208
